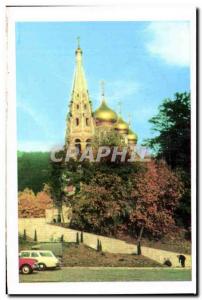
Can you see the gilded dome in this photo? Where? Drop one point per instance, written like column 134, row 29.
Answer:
column 104, row 113
column 132, row 136
column 121, row 124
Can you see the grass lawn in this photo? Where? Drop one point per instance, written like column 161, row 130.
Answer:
column 108, row 274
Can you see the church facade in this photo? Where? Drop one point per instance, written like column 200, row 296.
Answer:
column 82, row 124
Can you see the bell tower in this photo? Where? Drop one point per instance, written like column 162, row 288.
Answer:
column 80, row 123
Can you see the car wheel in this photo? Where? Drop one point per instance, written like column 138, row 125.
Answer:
column 26, row 269
column 42, row 266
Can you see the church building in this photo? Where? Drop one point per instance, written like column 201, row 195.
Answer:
column 82, row 123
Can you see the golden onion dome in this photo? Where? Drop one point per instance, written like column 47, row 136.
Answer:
column 121, row 125
column 104, row 113
column 132, row 136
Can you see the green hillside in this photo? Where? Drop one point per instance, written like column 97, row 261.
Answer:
column 33, row 170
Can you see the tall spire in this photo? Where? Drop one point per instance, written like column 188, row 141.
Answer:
column 80, row 125
column 79, row 82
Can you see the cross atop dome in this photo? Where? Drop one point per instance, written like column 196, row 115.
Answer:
column 129, row 119
column 119, row 107
column 78, row 51
column 78, row 41
column 102, row 84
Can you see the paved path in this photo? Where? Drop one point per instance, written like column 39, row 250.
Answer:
column 47, row 232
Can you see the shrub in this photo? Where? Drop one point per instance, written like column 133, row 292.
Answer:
column 35, row 236
column 62, row 238
column 24, row 235
column 77, row 238
column 81, row 236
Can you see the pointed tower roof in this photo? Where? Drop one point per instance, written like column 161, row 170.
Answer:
column 80, row 123
column 79, row 82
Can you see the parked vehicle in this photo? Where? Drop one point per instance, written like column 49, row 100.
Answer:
column 27, row 265
column 55, row 247
column 46, row 259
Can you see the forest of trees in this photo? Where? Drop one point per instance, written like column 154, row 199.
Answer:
column 34, row 170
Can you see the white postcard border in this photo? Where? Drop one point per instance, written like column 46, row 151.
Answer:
column 104, row 13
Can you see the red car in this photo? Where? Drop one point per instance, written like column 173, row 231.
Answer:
column 27, row 265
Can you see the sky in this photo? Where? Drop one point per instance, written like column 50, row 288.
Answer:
column 141, row 63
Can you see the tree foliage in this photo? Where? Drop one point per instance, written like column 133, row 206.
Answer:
column 183, row 213
column 172, row 123
column 107, row 137
column 56, row 183
column 101, row 206
column 156, row 194
column 32, row 205
column 109, row 204
column 173, row 143
column 34, row 170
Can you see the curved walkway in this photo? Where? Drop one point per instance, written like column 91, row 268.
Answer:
column 47, row 232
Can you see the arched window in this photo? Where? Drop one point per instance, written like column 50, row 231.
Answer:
column 85, row 106
column 78, row 144
column 87, row 121
column 88, row 143
column 77, row 121
column 77, row 106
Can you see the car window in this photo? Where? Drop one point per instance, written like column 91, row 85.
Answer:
column 34, row 254
column 46, row 254
column 25, row 254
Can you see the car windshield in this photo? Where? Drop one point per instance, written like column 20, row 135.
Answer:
column 46, row 254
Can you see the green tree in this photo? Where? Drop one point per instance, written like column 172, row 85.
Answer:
column 34, row 170
column 172, row 123
column 55, row 183
column 107, row 137
column 77, row 238
column 24, row 235
column 35, row 236
column 110, row 138
column 81, row 237
column 173, row 143
column 183, row 213
column 102, row 205
column 98, row 245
